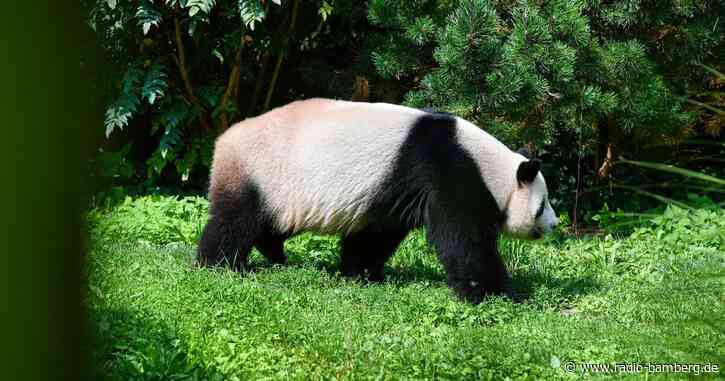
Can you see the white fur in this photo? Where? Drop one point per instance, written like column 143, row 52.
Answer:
column 316, row 161
column 498, row 166
column 497, row 163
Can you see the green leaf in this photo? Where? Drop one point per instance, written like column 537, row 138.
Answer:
column 122, row 110
column 116, row 118
column 173, row 115
column 186, row 163
column 325, row 10
column 218, row 55
column 250, row 11
column 196, row 6
column 147, row 16
column 154, row 85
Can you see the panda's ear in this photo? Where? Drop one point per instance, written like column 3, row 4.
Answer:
column 523, row 151
column 527, row 171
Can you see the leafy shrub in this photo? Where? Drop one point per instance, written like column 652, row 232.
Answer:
column 155, row 219
column 678, row 226
column 178, row 73
column 615, row 221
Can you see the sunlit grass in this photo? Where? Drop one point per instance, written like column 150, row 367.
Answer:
column 646, row 298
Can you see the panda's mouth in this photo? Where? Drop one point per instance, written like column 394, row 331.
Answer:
column 536, row 233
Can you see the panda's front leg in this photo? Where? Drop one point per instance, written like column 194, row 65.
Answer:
column 474, row 267
column 475, row 279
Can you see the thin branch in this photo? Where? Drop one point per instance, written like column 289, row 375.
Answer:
column 606, row 169
column 273, row 81
column 231, row 85
column 181, row 63
column 181, row 59
column 673, row 169
column 258, row 85
column 277, row 66
column 657, row 197
column 706, row 106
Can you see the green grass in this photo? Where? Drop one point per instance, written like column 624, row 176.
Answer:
column 656, row 296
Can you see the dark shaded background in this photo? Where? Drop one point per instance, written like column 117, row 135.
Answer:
column 47, row 108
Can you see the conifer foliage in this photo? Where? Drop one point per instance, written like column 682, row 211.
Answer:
column 579, row 81
column 606, row 73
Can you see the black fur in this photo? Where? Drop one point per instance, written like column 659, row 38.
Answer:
column 236, row 223
column 527, row 171
column 271, row 245
column 434, row 183
column 364, row 253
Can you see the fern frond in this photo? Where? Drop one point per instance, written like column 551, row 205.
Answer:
column 174, row 115
column 147, row 16
column 154, row 85
column 169, row 140
column 211, row 95
column 123, row 109
column 250, row 11
column 187, row 162
column 196, row 6
column 206, row 146
column 132, row 78
column 116, row 118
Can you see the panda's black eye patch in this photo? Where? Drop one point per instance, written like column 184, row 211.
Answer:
column 540, row 211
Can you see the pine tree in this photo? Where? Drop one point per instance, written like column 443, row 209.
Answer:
column 604, row 76
column 530, row 69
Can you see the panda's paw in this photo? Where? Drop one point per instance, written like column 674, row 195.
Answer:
column 473, row 293
column 515, row 296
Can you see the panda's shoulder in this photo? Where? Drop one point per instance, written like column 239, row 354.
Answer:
column 436, row 112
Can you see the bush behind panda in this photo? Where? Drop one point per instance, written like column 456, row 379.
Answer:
column 372, row 172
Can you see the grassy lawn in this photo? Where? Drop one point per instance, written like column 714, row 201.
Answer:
column 656, row 296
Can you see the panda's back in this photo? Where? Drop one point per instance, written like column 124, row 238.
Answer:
column 315, row 162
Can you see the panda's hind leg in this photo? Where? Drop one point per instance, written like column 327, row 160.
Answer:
column 232, row 229
column 364, row 253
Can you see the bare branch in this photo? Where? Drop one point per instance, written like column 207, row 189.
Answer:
column 231, row 85
column 277, row 66
column 181, row 63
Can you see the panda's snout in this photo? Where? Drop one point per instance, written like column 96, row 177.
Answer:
column 551, row 225
column 540, row 229
column 554, row 223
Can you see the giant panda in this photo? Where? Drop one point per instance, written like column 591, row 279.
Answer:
column 372, row 172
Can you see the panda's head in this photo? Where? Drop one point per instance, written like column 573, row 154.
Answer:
column 528, row 212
